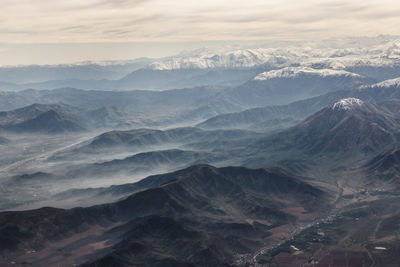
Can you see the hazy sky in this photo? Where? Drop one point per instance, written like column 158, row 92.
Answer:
column 67, row 22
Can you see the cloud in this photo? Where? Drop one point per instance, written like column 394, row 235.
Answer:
column 55, row 21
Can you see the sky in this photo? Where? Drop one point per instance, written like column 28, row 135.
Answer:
column 57, row 31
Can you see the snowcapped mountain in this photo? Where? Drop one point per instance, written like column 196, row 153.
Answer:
column 349, row 125
column 293, row 72
column 347, row 104
column 320, row 55
column 388, row 83
column 245, row 58
column 279, row 87
column 378, row 59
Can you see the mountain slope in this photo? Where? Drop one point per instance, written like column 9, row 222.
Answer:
column 151, row 139
column 181, row 78
column 385, row 166
column 32, row 111
column 142, row 163
column 292, row 84
column 56, row 118
column 206, row 215
column 110, row 117
column 333, row 140
column 49, row 122
column 281, row 116
column 348, row 125
column 139, row 107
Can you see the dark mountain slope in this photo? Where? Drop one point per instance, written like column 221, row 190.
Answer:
column 201, row 216
column 385, row 166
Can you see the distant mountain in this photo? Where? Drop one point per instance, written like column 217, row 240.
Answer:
column 150, row 108
column 6, row 86
column 376, row 58
column 278, row 87
column 388, row 83
column 50, row 122
column 377, row 71
column 348, row 125
column 146, row 79
column 151, row 139
column 230, row 69
column 32, row 111
column 56, row 118
column 230, row 66
column 143, row 163
column 265, row 118
column 205, row 215
column 183, row 78
column 282, row 116
column 143, row 137
column 83, row 70
column 110, row 117
column 228, row 59
column 184, row 135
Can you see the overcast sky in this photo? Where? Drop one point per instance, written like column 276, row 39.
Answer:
column 62, row 22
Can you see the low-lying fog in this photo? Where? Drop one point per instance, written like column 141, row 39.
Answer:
column 36, row 169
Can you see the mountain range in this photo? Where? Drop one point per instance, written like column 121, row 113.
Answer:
column 280, row 155
column 280, row 116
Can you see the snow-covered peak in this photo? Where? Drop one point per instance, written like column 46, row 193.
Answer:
column 292, row 72
column 205, row 59
column 331, row 55
column 388, row 83
column 347, row 104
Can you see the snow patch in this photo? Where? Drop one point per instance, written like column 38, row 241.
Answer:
column 347, row 104
column 388, row 83
column 292, row 72
column 294, row 248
